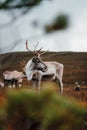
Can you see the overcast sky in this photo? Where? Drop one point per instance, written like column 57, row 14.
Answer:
column 74, row 38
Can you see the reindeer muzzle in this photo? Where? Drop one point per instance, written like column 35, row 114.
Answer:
column 45, row 69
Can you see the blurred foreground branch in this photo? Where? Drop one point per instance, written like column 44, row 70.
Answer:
column 12, row 4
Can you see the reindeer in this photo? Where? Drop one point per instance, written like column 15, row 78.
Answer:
column 1, row 84
column 53, row 68
column 12, row 77
column 34, row 64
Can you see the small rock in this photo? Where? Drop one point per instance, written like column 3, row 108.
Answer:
column 77, row 88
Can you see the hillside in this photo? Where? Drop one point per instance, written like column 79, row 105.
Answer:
column 75, row 64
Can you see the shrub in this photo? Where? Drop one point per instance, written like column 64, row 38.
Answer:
column 27, row 110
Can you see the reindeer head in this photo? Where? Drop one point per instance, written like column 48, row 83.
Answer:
column 37, row 63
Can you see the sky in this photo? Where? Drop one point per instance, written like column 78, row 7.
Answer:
column 74, row 38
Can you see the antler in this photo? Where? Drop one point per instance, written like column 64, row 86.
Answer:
column 35, row 51
column 23, row 63
column 27, row 47
column 35, row 46
column 39, row 54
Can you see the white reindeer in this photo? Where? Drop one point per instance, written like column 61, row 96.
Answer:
column 53, row 68
column 34, row 64
column 1, row 84
column 12, row 77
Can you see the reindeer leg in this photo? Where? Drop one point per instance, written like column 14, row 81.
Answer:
column 33, row 83
column 59, row 77
column 39, row 87
column 16, row 83
column 58, row 81
column 61, row 87
column 39, row 83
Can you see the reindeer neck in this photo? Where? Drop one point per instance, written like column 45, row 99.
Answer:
column 30, row 65
column 29, row 69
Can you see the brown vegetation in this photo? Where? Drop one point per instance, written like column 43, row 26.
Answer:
column 75, row 69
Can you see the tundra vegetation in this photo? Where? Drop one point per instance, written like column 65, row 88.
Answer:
column 27, row 110
column 22, row 108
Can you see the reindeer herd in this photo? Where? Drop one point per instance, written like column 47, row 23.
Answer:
column 34, row 70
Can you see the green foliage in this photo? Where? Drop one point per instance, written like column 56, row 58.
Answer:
column 59, row 23
column 27, row 110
